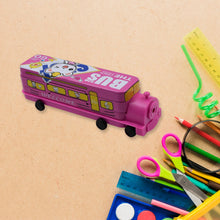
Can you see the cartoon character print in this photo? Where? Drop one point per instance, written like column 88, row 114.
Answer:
column 66, row 68
column 61, row 69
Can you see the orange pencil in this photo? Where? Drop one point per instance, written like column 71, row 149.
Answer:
column 198, row 131
column 211, row 125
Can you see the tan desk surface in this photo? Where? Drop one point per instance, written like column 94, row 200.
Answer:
column 58, row 165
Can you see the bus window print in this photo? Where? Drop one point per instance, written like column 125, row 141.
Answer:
column 106, row 96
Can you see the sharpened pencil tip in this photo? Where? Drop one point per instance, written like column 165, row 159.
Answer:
column 188, row 168
column 199, row 117
column 168, row 162
column 177, row 118
column 180, row 120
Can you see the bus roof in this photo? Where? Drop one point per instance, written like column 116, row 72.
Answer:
column 50, row 68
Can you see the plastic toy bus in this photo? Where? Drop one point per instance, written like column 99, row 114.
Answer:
column 108, row 97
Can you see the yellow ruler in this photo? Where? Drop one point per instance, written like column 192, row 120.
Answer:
column 205, row 52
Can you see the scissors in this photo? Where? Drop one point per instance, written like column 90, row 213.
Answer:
column 194, row 193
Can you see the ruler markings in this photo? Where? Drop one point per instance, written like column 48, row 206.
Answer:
column 205, row 52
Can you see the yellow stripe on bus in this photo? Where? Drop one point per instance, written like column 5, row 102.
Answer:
column 56, row 89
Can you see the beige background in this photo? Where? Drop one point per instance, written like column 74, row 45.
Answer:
column 57, row 165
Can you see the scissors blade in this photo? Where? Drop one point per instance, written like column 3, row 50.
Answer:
column 188, row 186
column 194, row 199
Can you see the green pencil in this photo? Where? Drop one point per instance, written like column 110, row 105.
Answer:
column 168, row 184
column 202, row 152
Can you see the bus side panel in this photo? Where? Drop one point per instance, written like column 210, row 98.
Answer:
column 30, row 86
column 33, row 85
column 105, row 105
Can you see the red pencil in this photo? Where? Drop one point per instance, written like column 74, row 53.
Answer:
column 198, row 131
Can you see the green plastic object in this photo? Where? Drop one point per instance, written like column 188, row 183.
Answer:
column 201, row 100
column 168, row 184
column 202, row 152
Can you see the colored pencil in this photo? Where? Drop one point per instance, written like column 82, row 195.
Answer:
column 165, row 183
column 169, row 163
column 213, row 185
column 209, row 183
column 202, row 152
column 211, row 125
column 198, row 131
column 203, row 175
column 198, row 167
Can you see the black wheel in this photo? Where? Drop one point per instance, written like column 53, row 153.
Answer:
column 130, row 131
column 101, row 124
column 39, row 105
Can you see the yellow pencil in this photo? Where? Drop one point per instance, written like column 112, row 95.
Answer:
column 203, row 175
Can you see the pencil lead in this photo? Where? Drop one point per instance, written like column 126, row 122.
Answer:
column 177, row 118
column 180, row 120
column 169, row 163
column 199, row 117
column 188, row 168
